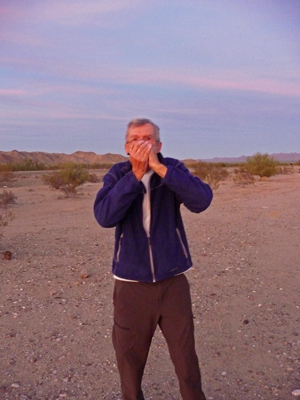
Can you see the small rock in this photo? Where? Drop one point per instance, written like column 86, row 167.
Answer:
column 296, row 392
column 7, row 255
column 15, row 385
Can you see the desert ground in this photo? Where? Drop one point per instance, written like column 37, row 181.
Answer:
column 56, row 296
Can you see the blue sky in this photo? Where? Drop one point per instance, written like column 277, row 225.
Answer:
column 220, row 77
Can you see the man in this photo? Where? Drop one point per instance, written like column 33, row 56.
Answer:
column 141, row 198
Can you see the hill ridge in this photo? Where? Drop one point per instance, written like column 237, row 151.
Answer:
column 90, row 157
column 84, row 157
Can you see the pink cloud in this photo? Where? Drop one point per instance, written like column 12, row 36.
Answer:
column 160, row 76
column 216, row 80
column 11, row 92
column 68, row 11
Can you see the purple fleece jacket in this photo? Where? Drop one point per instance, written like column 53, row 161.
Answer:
column 165, row 252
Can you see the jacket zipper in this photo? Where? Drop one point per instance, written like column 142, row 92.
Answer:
column 182, row 244
column 119, row 248
column 151, row 259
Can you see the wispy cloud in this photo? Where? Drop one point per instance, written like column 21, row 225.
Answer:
column 206, row 80
column 247, row 81
column 75, row 11
column 11, row 92
column 69, row 12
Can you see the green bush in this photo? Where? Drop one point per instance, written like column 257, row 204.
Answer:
column 261, row 165
column 105, row 166
column 27, row 165
column 67, row 179
column 210, row 173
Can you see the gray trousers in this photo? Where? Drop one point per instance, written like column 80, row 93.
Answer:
column 138, row 309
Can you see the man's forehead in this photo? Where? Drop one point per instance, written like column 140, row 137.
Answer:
column 146, row 129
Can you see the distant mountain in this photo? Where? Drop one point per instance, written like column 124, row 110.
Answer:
column 282, row 157
column 15, row 156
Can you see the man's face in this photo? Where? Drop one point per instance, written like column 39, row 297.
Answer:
column 142, row 133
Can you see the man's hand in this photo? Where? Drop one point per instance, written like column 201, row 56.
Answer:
column 154, row 163
column 143, row 157
column 139, row 158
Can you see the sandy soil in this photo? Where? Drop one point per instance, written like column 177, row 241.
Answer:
column 56, row 291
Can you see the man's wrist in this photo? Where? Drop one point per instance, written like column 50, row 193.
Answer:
column 139, row 175
column 160, row 169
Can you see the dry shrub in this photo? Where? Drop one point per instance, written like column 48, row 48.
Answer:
column 93, row 178
column 6, row 174
column 69, row 190
column 67, row 179
column 242, row 177
column 7, row 197
column 210, row 173
column 285, row 170
column 53, row 180
column 5, row 217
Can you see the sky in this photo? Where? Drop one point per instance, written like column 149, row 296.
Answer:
column 221, row 78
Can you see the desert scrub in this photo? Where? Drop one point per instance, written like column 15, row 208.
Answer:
column 27, row 165
column 285, row 170
column 93, row 178
column 6, row 174
column 67, row 179
column 242, row 177
column 6, row 216
column 210, row 173
column 7, row 197
column 262, row 165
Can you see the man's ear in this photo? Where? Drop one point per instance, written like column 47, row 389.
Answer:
column 158, row 146
column 127, row 148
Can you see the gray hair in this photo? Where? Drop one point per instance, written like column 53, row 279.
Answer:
column 134, row 123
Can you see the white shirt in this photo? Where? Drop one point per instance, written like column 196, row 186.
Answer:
column 146, row 202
